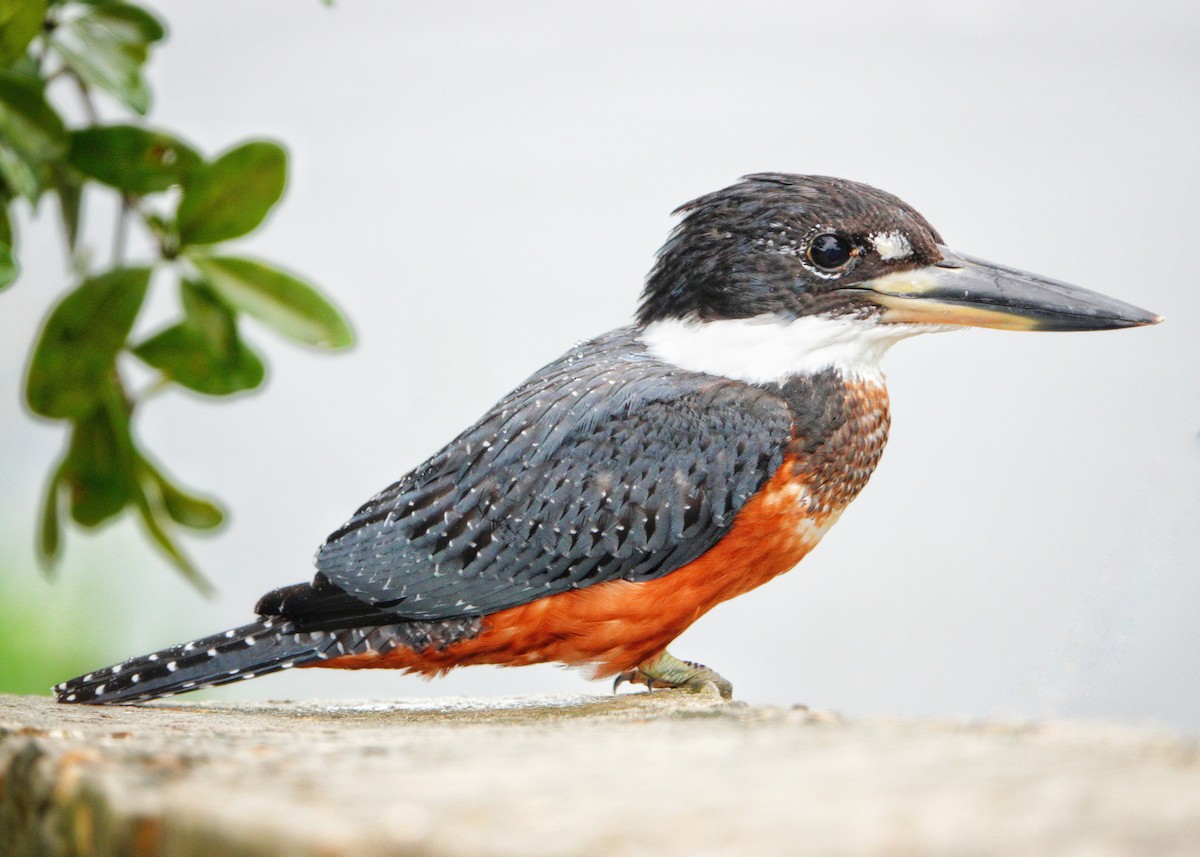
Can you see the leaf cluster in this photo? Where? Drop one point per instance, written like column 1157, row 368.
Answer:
column 189, row 205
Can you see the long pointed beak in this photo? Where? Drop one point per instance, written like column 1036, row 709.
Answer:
column 962, row 290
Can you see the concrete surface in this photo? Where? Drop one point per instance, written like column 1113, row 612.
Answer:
column 663, row 774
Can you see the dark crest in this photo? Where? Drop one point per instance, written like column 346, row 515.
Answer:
column 745, row 250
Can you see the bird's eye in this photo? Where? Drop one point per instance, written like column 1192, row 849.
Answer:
column 830, row 251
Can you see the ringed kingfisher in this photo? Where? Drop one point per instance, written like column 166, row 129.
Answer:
column 650, row 473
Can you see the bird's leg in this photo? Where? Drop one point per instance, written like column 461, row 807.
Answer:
column 666, row 670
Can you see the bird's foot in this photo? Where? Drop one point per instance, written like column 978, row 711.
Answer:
column 667, row 671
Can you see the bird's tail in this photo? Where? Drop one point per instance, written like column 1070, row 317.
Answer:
column 265, row 646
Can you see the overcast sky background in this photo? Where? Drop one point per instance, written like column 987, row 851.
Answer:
column 480, row 184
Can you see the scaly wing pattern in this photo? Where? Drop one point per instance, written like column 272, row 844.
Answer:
column 608, row 464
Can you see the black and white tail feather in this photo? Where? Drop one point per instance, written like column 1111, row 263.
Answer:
column 262, row 647
column 300, row 625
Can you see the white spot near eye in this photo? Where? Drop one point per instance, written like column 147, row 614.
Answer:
column 891, row 245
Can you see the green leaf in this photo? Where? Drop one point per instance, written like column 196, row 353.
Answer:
column 155, row 527
column 183, row 508
column 31, row 134
column 21, row 174
column 104, row 57
column 6, row 230
column 204, row 353
column 231, row 196
column 99, row 466
column 68, row 185
column 50, row 531
column 291, row 306
column 210, row 315
column 127, row 23
column 20, row 21
column 26, row 66
column 183, row 355
column 28, row 121
column 75, row 355
column 132, row 159
column 8, row 266
column 190, row 511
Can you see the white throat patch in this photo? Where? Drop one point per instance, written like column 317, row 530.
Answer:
column 769, row 349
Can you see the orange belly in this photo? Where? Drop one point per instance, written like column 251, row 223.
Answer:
column 617, row 625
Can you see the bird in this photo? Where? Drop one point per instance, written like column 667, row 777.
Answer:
column 650, row 473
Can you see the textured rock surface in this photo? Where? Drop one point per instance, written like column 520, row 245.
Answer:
column 669, row 773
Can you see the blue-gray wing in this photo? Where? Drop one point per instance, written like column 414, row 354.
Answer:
column 608, row 464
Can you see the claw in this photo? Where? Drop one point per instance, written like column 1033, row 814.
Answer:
column 633, row 676
column 665, row 670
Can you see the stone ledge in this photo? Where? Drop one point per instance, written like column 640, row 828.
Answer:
column 667, row 773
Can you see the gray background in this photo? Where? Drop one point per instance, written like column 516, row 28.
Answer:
column 481, row 184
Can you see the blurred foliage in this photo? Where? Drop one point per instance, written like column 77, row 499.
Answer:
column 188, row 206
column 41, row 642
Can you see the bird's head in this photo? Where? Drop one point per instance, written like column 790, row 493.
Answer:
column 817, row 268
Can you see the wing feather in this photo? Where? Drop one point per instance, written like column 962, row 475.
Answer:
column 608, row 464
